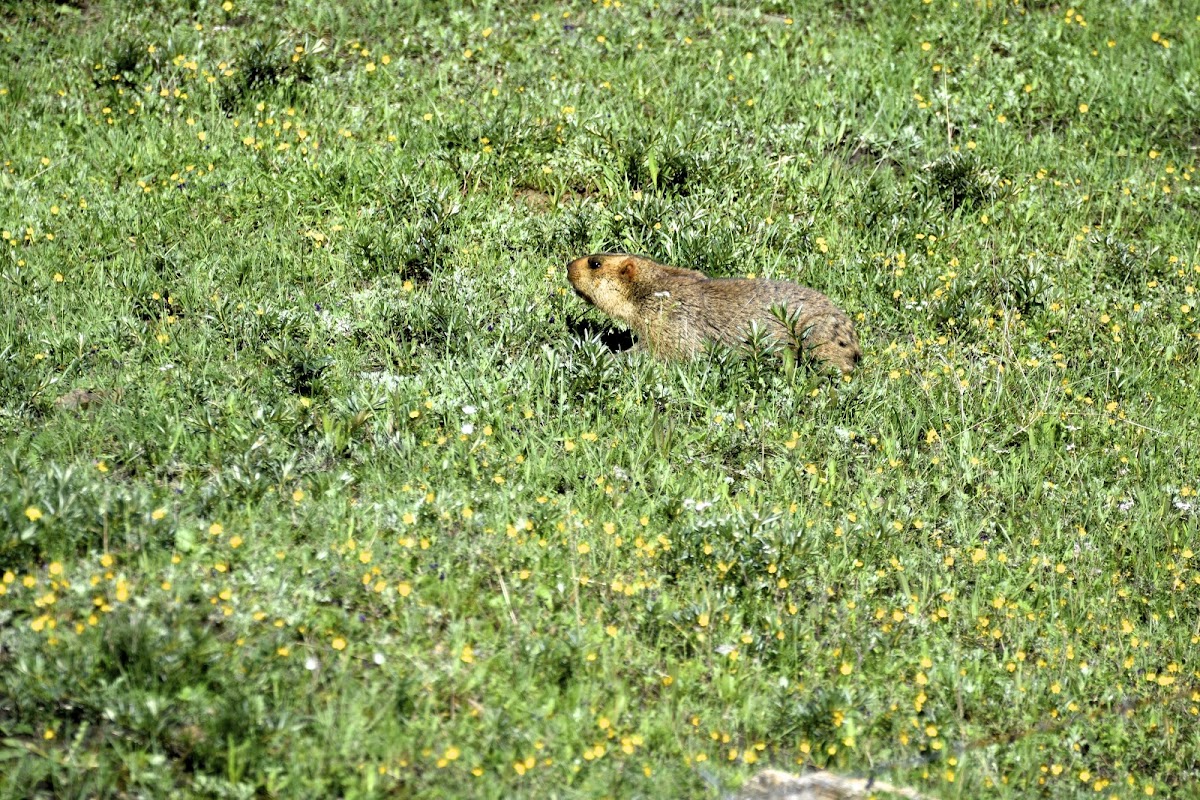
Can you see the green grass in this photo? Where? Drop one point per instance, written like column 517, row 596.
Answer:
column 363, row 503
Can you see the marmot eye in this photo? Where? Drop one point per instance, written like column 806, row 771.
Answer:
column 594, row 263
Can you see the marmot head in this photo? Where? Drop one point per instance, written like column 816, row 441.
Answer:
column 605, row 281
column 620, row 284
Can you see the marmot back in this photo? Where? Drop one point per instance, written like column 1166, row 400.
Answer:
column 675, row 311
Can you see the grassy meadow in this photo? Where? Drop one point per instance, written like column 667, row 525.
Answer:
column 316, row 479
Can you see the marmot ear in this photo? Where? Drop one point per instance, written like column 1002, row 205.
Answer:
column 629, row 269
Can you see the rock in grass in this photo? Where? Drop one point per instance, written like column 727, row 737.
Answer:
column 78, row 400
column 774, row 784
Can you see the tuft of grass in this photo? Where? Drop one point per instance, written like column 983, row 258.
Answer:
column 960, row 181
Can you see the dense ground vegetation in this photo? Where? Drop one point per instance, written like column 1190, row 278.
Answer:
column 316, row 480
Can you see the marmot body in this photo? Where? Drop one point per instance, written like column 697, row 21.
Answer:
column 675, row 311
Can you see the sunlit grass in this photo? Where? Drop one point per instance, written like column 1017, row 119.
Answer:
column 319, row 480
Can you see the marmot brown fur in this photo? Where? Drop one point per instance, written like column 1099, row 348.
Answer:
column 675, row 311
